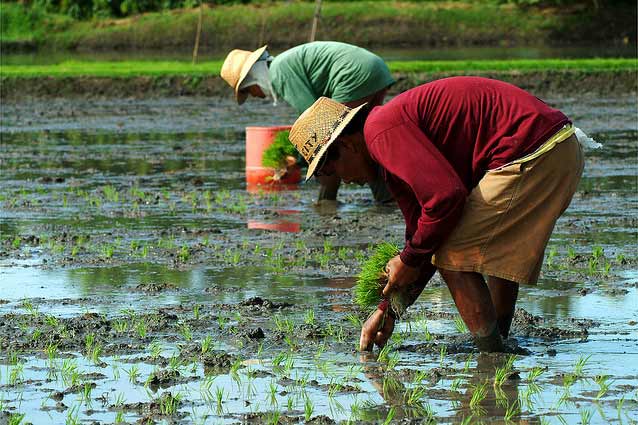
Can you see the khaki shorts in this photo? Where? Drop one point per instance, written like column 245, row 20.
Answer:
column 509, row 216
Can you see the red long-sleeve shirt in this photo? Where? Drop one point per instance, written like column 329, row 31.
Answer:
column 436, row 141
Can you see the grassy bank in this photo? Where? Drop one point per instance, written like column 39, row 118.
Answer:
column 204, row 69
column 369, row 24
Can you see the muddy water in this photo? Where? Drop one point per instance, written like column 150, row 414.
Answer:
column 137, row 285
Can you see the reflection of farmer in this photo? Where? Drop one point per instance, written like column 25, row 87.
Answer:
column 348, row 74
column 481, row 171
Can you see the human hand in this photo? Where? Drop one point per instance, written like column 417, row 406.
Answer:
column 400, row 275
column 376, row 330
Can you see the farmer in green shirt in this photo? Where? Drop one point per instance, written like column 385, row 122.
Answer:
column 348, row 74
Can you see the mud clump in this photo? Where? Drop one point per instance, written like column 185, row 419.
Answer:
column 527, row 325
column 258, row 303
column 153, row 287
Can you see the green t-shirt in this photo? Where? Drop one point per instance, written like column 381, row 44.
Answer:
column 327, row 68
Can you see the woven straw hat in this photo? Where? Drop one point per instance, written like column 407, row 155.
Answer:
column 319, row 126
column 236, row 66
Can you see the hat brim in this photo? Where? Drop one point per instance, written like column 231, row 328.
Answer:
column 313, row 164
column 245, row 69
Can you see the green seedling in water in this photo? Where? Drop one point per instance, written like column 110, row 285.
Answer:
column 604, row 383
column 478, row 395
column 186, row 332
column 308, row 409
column 155, row 349
column 133, row 373
column 512, row 410
column 184, row 254
column 580, row 364
column 371, row 278
column 141, row 329
column 550, row 257
column 502, row 373
column 354, row 320
column 16, row 418
column 390, row 416
column 310, row 317
column 169, row 403
column 111, row 194
column 207, row 344
column 585, row 416
column 460, row 325
column 442, row 353
column 534, row 373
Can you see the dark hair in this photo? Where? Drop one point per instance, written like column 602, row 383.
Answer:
column 356, row 125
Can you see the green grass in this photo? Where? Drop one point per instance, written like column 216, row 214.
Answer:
column 364, row 23
column 212, row 68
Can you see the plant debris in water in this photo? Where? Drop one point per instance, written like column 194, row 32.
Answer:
column 372, row 277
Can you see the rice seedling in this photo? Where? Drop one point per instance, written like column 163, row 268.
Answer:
column 512, row 410
column 585, row 416
column 283, row 324
column 308, row 409
column 196, row 308
column 456, row 383
column 133, row 373
column 184, row 254
column 174, row 363
column 619, row 407
column 87, row 388
column 502, row 373
column 413, row 396
column 186, row 332
column 580, row 364
column 120, row 326
column 603, row 383
column 155, row 349
column 219, row 397
column 442, row 353
column 534, row 373
column 119, row 400
column 16, row 418
column 206, row 344
column 169, row 403
column 571, row 253
column 478, row 395
column 310, row 317
column 354, row 320
column 141, row 328
column 390, row 416
column 119, row 417
column 111, row 194
column 460, row 325
column 72, row 416
column 370, row 281
column 16, row 373
column 549, row 262
column 468, row 362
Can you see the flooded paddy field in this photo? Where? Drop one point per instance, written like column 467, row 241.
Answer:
column 140, row 282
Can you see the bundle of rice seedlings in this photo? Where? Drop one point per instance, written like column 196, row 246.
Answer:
column 372, row 279
column 275, row 155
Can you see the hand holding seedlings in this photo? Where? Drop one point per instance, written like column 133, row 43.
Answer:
column 400, row 275
column 377, row 330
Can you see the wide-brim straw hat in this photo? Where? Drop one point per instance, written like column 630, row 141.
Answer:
column 236, row 67
column 318, row 127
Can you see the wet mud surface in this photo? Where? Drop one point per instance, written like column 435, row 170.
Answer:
column 138, row 284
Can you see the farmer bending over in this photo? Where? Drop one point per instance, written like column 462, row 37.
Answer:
column 348, row 74
column 481, row 171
